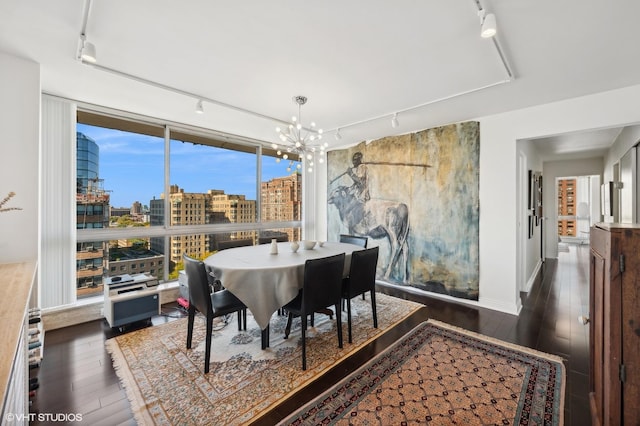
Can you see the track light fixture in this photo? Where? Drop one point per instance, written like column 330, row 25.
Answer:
column 199, row 107
column 394, row 121
column 87, row 50
column 487, row 24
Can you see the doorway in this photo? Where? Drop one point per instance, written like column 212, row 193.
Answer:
column 578, row 208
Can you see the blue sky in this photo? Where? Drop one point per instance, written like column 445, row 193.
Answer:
column 132, row 166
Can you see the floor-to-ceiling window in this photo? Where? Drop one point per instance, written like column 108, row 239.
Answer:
column 148, row 192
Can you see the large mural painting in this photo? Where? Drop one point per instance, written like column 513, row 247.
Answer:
column 416, row 197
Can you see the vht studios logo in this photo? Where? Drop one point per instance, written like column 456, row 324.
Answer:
column 43, row 417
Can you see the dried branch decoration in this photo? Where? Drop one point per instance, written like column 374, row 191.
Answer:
column 5, row 200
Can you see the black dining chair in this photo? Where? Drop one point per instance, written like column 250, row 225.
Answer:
column 211, row 304
column 321, row 289
column 354, row 239
column 361, row 279
column 223, row 245
column 281, row 238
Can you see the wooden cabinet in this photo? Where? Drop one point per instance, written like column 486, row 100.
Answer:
column 614, row 331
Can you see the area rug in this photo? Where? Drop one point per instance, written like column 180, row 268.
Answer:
column 441, row 375
column 166, row 385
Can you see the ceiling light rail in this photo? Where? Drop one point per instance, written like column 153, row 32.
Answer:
column 86, row 50
column 487, row 22
column 489, row 29
column 394, row 115
column 183, row 92
column 87, row 55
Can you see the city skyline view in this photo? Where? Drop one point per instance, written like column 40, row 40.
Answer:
column 131, row 166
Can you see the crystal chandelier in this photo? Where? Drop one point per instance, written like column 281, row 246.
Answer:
column 305, row 143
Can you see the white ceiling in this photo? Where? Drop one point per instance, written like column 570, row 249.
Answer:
column 357, row 61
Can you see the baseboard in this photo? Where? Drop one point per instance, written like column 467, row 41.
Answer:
column 533, row 276
column 484, row 302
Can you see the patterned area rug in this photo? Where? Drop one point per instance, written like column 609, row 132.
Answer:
column 441, row 375
column 166, row 385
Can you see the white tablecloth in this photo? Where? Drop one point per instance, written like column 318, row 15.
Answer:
column 265, row 282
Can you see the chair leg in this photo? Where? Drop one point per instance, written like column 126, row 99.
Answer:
column 207, row 349
column 304, row 341
column 287, row 329
column 374, row 311
column 265, row 337
column 192, row 314
column 339, row 321
column 349, row 318
column 242, row 320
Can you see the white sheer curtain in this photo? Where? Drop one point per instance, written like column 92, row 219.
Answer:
column 57, row 265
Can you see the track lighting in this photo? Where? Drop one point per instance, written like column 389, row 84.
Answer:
column 394, row 121
column 338, row 136
column 487, row 23
column 87, row 50
column 199, row 107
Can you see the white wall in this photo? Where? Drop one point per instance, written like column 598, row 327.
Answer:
column 19, row 144
column 531, row 261
column 498, row 135
column 625, row 140
column 498, row 176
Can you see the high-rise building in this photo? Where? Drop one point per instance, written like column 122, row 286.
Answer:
column 92, row 211
column 136, row 208
column 230, row 208
column 281, row 200
column 191, row 208
column 567, row 207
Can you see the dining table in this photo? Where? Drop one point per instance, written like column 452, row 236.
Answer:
column 266, row 281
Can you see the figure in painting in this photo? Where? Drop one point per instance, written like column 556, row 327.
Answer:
column 373, row 218
column 359, row 175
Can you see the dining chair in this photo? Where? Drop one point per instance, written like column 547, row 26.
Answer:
column 281, row 238
column 223, row 245
column 211, row 304
column 362, row 278
column 354, row 239
column 321, row 289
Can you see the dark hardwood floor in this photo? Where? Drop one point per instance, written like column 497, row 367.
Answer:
column 76, row 374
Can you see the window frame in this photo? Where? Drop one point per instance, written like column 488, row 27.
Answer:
column 104, row 117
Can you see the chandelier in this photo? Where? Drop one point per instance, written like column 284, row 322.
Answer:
column 298, row 141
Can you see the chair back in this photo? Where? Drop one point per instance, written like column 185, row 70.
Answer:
column 362, row 272
column 223, row 245
column 199, row 293
column 281, row 238
column 322, row 282
column 353, row 239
